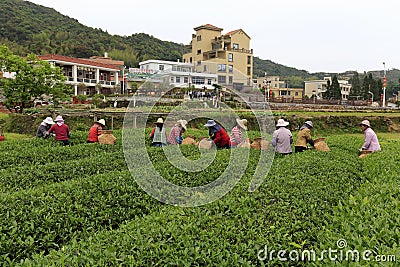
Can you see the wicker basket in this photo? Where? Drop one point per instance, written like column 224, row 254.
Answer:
column 107, row 138
column 205, row 144
column 260, row 144
column 321, row 145
column 188, row 141
column 364, row 153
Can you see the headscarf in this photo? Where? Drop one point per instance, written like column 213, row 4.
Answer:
column 213, row 129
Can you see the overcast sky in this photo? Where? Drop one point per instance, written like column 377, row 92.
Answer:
column 314, row 35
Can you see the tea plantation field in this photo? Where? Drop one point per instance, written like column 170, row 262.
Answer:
column 79, row 206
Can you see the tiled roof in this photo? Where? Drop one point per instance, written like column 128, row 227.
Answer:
column 236, row 31
column 231, row 32
column 209, row 27
column 78, row 61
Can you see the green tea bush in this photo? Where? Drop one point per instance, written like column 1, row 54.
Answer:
column 96, row 215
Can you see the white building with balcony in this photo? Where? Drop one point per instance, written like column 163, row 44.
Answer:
column 96, row 77
column 176, row 74
column 317, row 87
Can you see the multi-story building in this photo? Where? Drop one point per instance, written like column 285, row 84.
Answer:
column 317, row 87
column 171, row 74
column 93, row 75
column 227, row 55
column 278, row 90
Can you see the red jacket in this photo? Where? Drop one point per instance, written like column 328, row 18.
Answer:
column 221, row 138
column 94, row 133
column 61, row 132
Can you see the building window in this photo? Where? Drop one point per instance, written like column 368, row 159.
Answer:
column 199, row 51
column 248, row 59
column 199, row 62
column 205, row 68
column 235, row 46
column 230, row 68
column 230, row 80
column 191, row 60
column 221, row 68
column 248, row 70
column 238, row 86
column 296, row 94
column 221, row 79
column 172, row 79
column 198, row 37
column 185, row 80
column 161, row 67
column 230, row 57
column 209, row 81
column 198, row 80
column 284, row 93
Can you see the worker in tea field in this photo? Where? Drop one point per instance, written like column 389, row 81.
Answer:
column 61, row 130
column 371, row 142
column 304, row 137
column 282, row 138
column 95, row 131
column 236, row 132
column 158, row 134
column 217, row 134
column 44, row 127
column 175, row 136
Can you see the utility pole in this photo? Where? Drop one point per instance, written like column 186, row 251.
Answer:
column 287, row 91
column 265, row 87
column 384, row 86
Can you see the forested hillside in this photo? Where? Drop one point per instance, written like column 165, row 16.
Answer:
column 261, row 66
column 29, row 28
column 26, row 28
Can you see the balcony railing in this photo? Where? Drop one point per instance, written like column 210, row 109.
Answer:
column 90, row 81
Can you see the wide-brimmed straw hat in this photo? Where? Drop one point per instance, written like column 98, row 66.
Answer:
column 48, row 120
column 282, row 122
column 59, row 118
column 210, row 123
column 159, row 121
column 102, row 122
column 366, row 123
column 309, row 123
column 242, row 123
column 183, row 123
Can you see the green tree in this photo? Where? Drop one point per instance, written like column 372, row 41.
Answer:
column 34, row 79
column 335, row 88
column 148, row 86
column 134, row 87
column 97, row 99
column 366, row 87
column 356, row 90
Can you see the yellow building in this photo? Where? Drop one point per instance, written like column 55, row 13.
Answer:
column 227, row 55
column 278, row 90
